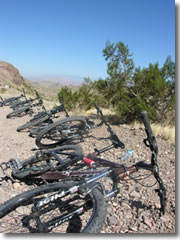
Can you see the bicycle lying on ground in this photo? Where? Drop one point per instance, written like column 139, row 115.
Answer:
column 10, row 100
column 68, row 130
column 19, row 103
column 43, row 119
column 76, row 206
column 26, row 109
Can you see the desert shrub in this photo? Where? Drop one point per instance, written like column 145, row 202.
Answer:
column 3, row 90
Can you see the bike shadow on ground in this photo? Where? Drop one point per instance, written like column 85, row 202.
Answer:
column 138, row 204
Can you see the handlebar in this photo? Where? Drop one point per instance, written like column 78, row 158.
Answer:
column 99, row 111
column 57, row 109
column 1, row 99
column 147, row 124
column 150, row 141
column 115, row 139
column 24, row 94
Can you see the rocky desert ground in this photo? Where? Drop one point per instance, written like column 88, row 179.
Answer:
column 136, row 208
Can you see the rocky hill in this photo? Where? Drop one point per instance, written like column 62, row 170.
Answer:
column 9, row 75
column 11, row 82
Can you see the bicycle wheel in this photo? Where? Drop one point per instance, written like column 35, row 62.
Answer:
column 60, row 132
column 59, row 158
column 47, row 209
column 33, row 122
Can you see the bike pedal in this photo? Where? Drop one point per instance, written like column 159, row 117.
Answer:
column 14, row 163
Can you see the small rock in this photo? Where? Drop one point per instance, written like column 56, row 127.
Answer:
column 134, row 229
column 128, row 215
column 147, row 221
column 115, row 204
column 165, row 218
column 111, row 220
column 115, row 229
column 125, row 205
column 134, row 194
column 157, row 204
column 16, row 185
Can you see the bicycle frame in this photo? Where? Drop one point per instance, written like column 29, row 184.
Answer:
column 116, row 172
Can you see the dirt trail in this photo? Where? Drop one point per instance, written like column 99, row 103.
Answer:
column 135, row 209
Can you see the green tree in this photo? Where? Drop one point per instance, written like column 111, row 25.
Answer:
column 70, row 97
column 120, row 68
column 120, row 63
column 150, row 88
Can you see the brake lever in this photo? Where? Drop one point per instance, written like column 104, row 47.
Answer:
column 116, row 142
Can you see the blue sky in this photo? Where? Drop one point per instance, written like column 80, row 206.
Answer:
column 66, row 37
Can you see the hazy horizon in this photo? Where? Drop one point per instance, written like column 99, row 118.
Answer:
column 64, row 79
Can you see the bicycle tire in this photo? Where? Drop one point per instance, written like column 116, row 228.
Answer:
column 18, row 112
column 32, row 123
column 59, row 158
column 61, row 132
column 21, row 214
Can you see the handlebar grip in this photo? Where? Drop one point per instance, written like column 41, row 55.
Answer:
column 117, row 141
column 97, row 107
column 99, row 111
column 147, row 123
column 57, row 109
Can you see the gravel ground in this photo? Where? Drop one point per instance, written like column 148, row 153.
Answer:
column 136, row 208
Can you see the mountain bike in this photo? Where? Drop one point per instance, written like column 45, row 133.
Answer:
column 68, row 130
column 44, row 118
column 18, row 104
column 10, row 100
column 26, row 109
column 76, row 206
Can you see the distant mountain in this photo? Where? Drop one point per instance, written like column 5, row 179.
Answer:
column 9, row 75
column 58, row 80
column 12, row 82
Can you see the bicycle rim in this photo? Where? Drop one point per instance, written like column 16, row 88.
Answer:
column 66, row 131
